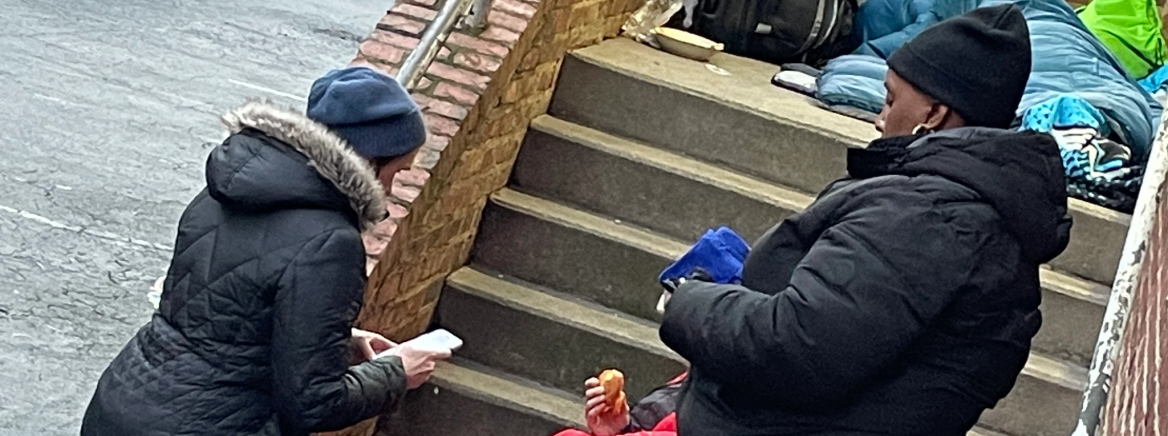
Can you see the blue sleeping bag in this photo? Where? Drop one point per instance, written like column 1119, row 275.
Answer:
column 888, row 24
column 1068, row 60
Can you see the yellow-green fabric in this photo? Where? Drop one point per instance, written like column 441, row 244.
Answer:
column 1131, row 30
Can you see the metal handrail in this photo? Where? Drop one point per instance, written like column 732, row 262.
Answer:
column 1119, row 303
column 434, row 37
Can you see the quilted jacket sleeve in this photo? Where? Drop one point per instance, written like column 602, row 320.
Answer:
column 316, row 303
column 863, row 293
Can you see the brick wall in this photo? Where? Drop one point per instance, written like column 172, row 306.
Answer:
column 1138, row 402
column 479, row 97
column 447, row 92
column 476, row 158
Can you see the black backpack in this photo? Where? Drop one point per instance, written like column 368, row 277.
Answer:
column 780, row 31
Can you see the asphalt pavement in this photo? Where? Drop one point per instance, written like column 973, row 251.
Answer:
column 107, row 113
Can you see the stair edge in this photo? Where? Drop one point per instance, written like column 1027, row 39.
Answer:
column 852, row 141
column 459, row 377
column 665, row 246
column 615, row 231
column 674, row 163
column 609, row 323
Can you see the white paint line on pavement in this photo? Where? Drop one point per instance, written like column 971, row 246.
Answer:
column 78, row 229
column 56, row 100
column 268, row 90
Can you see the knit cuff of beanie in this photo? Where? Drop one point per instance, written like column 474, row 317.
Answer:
column 385, row 138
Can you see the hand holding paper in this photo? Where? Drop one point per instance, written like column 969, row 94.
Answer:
column 420, row 355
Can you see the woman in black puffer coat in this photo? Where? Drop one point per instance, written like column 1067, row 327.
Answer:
column 904, row 299
column 253, row 333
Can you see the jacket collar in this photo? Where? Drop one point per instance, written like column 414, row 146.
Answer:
column 1020, row 174
column 327, row 153
column 885, row 155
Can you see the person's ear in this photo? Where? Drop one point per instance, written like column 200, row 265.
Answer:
column 937, row 117
column 386, row 170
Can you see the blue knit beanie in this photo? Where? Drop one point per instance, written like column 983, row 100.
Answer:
column 369, row 110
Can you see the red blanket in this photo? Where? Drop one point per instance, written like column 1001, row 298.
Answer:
column 667, row 427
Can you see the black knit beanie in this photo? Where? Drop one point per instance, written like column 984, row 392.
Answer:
column 977, row 64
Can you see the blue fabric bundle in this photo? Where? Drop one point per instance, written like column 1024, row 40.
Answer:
column 1065, row 111
column 854, row 80
column 1155, row 81
column 719, row 253
column 1068, row 59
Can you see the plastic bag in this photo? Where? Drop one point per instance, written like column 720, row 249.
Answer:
column 155, row 293
column 653, row 14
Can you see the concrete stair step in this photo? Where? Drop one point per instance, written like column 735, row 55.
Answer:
column 977, row 431
column 675, row 195
column 742, row 122
column 578, row 253
column 573, row 251
column 1096, row 242
column 593, row 244
column 1072, row 312
column 553, row 339
column 1044, row 402
column 466, row 399
column 738, row 120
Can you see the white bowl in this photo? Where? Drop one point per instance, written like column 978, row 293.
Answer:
column 686, row 45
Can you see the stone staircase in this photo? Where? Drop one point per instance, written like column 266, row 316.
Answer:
column 640, row 153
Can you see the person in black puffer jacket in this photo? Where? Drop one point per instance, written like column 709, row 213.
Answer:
column 904, row 299
column 252, row 333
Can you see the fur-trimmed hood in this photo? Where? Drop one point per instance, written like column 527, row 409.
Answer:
column 253, row 168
